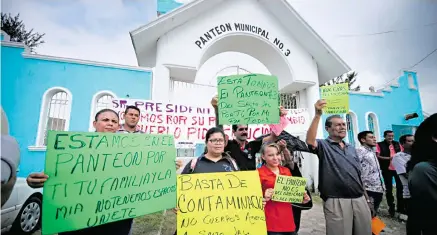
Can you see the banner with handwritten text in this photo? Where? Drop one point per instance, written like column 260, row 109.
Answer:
column 248, row 99
column 289, row 189
column 97, row 178
column 189, row 123
column 337, row 98
column 220, row 203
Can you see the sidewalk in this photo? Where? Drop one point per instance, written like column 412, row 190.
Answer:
column 313, row 223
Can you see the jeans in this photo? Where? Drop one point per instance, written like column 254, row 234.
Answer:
column 388, row 181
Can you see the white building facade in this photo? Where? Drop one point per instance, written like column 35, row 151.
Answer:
column 196, row 42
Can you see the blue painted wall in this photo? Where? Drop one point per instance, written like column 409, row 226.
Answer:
column 165, row 6
column 24, row 81
column 391, row 108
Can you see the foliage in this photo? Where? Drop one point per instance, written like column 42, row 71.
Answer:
column 15, row 28
column 350, row 78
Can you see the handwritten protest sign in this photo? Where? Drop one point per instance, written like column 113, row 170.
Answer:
column 248, row 99
column 289, row 189
column 97, row 178
column 189, row 123
column 337, row 98
column 220, row 203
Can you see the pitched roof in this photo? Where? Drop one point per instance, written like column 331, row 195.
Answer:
column 330, row 65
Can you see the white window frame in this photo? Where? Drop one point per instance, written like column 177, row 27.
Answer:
column 94, row 100
column 377, row 132
column 354, row 121
column 43, row 115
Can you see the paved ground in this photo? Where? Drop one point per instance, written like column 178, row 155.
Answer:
column 313, row 222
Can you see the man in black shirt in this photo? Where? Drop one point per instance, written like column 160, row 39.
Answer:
column 239, row 148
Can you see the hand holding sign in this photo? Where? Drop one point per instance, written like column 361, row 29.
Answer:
column 268, row 194
column 306, row 198
column 214, row 101
column 319, row 106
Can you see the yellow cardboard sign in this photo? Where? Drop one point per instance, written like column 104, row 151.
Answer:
column 220, row 203
column 337, row 98
column 289, row 189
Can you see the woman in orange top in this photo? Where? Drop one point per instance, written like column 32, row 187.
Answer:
column 279, row 215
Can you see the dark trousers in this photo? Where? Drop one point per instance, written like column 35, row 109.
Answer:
column 388, row 181
column 376, row 199
column 297, row 213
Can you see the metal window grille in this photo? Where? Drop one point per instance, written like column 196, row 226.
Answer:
column 185, row 152
column 350, row 129
column 288, row 100
column 371, row 123
column 104, row 102
column 57, row 113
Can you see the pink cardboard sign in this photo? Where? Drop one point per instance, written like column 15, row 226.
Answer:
column 278, row 128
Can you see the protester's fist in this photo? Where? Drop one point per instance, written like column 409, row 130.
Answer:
column 306, row 198
column 179, row 164
column 268, row 194
column 282, row 144
column 282, row 111
column 214, row 101
column 320, row 105
column 36, row 180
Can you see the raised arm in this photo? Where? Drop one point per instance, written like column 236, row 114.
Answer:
column 214, row 102
column 312, row 131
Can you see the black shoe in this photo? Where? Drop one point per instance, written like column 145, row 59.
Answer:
column 392, row 212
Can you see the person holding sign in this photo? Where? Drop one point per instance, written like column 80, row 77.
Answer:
column 106, row 120
column 346, row 205
column 279, row 215
column 239, row 148
column 214, row 159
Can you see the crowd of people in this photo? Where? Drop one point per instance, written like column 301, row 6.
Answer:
column 352, row 180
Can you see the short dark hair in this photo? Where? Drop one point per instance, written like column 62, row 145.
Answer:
column 328, row 122
column 235, row 127
column 403, row 138
column 104, row 111
column 387, row 132
column 363, row 135
column 131, row 107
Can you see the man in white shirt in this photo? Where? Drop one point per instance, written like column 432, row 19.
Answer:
column 400, row 164
column 370, row 170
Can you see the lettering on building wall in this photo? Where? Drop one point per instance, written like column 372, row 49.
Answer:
column 239, row 27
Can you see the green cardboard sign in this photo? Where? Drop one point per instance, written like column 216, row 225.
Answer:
column 97, row 178
column 289, row 189
column 248, row 99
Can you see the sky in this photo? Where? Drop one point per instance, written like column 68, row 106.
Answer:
column 378, row 39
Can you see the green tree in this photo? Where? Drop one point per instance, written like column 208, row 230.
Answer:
column 350, row 78
column 15, row 28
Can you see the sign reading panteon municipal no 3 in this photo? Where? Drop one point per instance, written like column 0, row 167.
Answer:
column 218, row 30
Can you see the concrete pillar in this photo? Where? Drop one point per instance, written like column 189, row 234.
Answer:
column 161, row 84
column 312, row 95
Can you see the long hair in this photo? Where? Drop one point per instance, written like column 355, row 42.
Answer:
column 424, row 147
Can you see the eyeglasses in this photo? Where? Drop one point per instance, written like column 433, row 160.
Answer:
column 217, row 141
column 242, row 129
